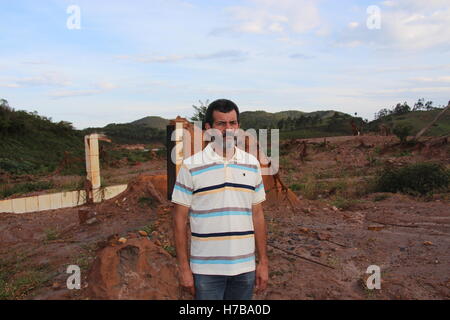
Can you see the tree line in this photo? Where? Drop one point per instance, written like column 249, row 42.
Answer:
column 402, row 108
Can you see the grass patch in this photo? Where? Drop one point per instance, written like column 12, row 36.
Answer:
column 403, row 153
column 311, row 189
column 415, row 179
column 171, row 250
column 149, row 229
column 17, row 279
column 21, row 188
column 51, row 234
column 146, row 202
column 380, row 197
column 343, row 203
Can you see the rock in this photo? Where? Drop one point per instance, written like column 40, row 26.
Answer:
column 158, row 243
column 132, row 235
column 92, row 221
column 316, row 253
column 428, row 243
column 155, row 234
column 323, row 236
column 375, row 228
column 122, row 240
column 86, row 216
column 143, row 233
column 111, row 240
column 136, row 270
column 56, row 285
column 334, row 208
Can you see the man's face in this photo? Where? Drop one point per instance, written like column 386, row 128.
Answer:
column 225, row 123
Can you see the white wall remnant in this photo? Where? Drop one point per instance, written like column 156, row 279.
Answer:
column 93, row 164
column 54, row 201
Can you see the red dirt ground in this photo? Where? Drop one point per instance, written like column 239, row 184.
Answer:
column 407, row 237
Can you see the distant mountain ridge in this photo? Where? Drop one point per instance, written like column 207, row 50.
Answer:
column 152, row 121
column 245, row 117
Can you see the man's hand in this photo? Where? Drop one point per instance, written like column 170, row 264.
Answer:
column 262, row 276
column 180, row 214
column 187, row 281
column 262, row 269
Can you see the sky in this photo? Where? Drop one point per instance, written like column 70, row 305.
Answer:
column 105, row 61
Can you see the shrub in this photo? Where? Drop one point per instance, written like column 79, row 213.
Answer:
column 402, row 131
column 419, row 178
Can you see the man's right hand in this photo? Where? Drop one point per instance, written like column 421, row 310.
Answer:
column 187, row 280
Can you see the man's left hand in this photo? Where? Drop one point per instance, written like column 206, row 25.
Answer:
column 262, row 277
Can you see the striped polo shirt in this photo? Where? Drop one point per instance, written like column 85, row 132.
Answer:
column 220, row 195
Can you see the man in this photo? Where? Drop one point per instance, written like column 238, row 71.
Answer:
column 221, row 189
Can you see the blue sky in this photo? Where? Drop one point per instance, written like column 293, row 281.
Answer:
column 134, row 59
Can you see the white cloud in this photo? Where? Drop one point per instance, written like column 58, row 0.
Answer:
column 432, row 80
column 274, row 16
column 44, row 79
column 405, row 24
column 98, row 88
column 106, row 85
column 73, row 93
column 353, row 25
column 151, row 58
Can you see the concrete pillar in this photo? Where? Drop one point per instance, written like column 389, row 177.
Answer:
column 93, row 164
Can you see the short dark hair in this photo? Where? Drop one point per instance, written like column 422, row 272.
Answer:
column 221, row 105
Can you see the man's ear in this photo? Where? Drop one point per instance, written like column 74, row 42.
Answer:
column 207, row 126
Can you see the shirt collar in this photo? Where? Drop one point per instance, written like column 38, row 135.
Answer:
column 213, row 156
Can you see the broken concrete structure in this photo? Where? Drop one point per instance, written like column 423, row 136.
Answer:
column 93, row 166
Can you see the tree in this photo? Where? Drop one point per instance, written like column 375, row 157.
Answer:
column 200, row 111
column 4, row 103
column 402, row 131
column 418, row 106
column 402, row 108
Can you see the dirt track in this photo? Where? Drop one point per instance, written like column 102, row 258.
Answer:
column 409, row 239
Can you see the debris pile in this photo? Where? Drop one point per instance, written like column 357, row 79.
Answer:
column 136, row 269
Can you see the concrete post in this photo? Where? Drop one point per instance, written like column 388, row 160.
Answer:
column 93, row 165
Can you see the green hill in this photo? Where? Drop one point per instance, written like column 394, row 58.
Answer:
column 266, row 120
column 146, row 130
column 417, row 120
column 33, row 143
column 152, row 122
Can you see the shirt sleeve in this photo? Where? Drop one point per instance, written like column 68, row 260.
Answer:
column 183, row 188
column 260, row 194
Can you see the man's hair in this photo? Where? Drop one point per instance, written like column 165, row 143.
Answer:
column 221, row 105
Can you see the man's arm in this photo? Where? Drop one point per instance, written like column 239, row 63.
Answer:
column 180, row 214
column 262, row 269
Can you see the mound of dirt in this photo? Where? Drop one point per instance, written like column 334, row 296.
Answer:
column 137, row 269
column 144, row 186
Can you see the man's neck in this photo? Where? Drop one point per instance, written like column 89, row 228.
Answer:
column 226, row 155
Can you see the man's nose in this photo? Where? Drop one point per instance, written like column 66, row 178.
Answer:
column 229, row 130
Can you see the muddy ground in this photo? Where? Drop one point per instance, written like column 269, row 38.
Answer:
column 320, row 250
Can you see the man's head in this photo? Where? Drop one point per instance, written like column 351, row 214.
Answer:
column 222, row 114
